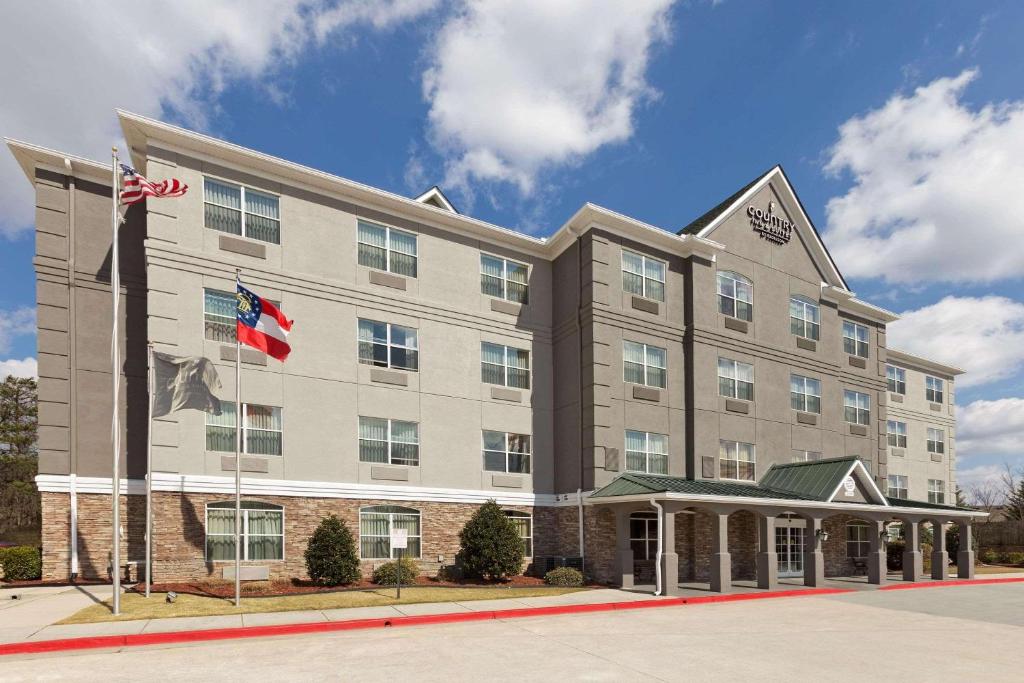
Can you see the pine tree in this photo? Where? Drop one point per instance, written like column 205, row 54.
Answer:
column 331, row 557
column 1015, row 502
column 19, row 500
column 490, row 546
column 18, row 416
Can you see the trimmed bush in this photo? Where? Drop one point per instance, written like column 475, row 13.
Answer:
column 21, row 563
column 331, row 557
column 1016, row 559
column 385, row 574
column 988, row 557
column 564, row 576
column 489, row 545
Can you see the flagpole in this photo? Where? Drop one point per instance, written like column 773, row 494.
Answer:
column 239, row 416
column 151, row 375
column 115, row 362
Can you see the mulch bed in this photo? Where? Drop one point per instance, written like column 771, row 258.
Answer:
column 226, row 589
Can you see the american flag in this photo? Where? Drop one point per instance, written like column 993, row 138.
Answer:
column 137, row 188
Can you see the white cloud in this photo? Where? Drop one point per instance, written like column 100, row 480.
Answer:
column 20, row 321
column 518, row 86
column 25, row 367
column 990, row 427
column 68, row 65
column 985, row 478
column 982, row 335
column 936, row 188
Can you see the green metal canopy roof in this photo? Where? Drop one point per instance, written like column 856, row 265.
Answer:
column 632, row 484
column 814, row 479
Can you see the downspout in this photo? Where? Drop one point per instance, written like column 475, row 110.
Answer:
column 72, row 372
column 657, row 556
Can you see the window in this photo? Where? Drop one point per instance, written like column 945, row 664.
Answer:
column 389, row 441
column 505, row 366
column 804, row 317
column 735, row 379
column 933, row 389
column 735, row 296
column 643, row 276
column 504, row 279
column 261, row 429
column 857, row 407
column 807, row 456
column 646, row 452
column 262, row 531
column 858, row 543
column 897, row 433
column 224, row 202
column 220, row 309
column 896, row 378
column 643, row 535
column 855, row 339
column 524, row 525
column 504, row 452
column 643, row 364
column 387, row 249
column 736, row 460
column 937, row 491
column 388, row 346
column 375, row 525
column 805, row 394
column 936, row 440
column 898, row 486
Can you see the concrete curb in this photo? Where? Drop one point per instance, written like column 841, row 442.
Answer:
column 949, row 582
column 141, row 639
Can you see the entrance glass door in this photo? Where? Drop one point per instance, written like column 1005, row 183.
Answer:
column 789, row 546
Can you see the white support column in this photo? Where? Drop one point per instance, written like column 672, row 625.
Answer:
column 940, row 558
column 912, row 560
column 669, row 558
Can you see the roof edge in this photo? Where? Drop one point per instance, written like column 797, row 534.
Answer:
column 924, row 363
column 30, row 157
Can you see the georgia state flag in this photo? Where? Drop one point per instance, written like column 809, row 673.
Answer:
column 261, row 325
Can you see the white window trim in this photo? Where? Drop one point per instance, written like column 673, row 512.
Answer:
column 387, row 247
column 523, row 515
column 388, row 440
column 508, row 453
column 242, row 210
column 936, row 489
column 858, row 410
column 736, row 278
column 806, row 393
column 936, row 446
column 737, row 444
column 646, row 366
column 504, row 277
column 806, row 303
column 390, row 344
column 505, row 365
column 900, row 379
column 940, row 391
column 856, row 341
column 647, row 538
column 391, row 521
column 897, row 433
column 228, row 320
column 735, row 378
column 245, row 429
column 863, row 528
column 647, row 452
column 245, row 532
column 643, row 274
column 892, row 492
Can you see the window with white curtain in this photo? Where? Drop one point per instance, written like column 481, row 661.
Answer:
column 736, row 460
column 504, row 279
column 805, row 394
column 858, row 543
column 936, row 440
column 643, row 275
column 220, row 311
column 735, row 379
column 260, row 218
column 262, row 531
column 646, row 452
column 933, row 389
column 896, row 379
column 896, row 433
column 505, row 452
column 388, row 346
column 261, row 429
column 375, row 525
column 389, row 441
column 504, row 365
column 384, row 248
column 855, row 339
column 898, row 486
column 643, row 364
column 804, row 317
column 523, row 523
column 856, row 407
column 735, row 296
column 937, row 491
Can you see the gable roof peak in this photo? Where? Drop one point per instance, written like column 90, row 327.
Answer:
column 435, row 197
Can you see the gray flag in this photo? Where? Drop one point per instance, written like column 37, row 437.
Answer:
column 182, row 383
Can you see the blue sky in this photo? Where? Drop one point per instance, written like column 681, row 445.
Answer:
column 658, row 110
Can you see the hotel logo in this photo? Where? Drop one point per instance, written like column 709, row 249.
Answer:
column 771, row 227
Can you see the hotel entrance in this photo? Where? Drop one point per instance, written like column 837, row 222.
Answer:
column 789, row 545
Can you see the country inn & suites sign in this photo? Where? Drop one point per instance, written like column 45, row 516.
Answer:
column 770, row 226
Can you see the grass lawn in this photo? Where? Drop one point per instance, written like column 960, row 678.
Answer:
column 134, row 606
column 997, row 569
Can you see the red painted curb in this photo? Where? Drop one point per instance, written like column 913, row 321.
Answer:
column 949, row 582
column 738, row 597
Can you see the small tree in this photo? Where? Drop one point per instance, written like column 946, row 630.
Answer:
column 1015, row 502
column 490, row 546
column 331, row 557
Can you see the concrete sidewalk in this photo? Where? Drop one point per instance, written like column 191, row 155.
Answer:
column 36, row 607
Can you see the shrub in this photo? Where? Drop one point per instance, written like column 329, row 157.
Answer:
column 21, row 563
column 489, row 544
column 331, row 557
column 385, row 574
column 564, row 576
column 988, row 557
column 1015, row 558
